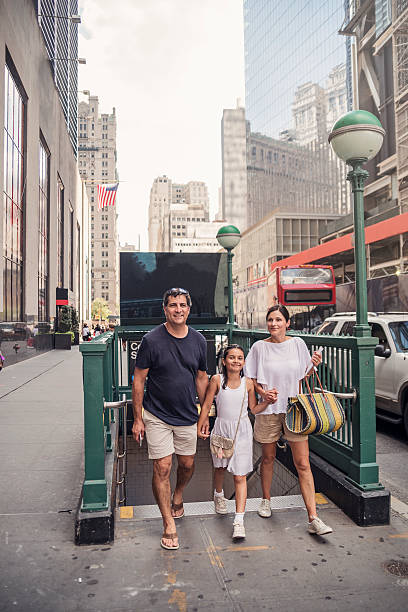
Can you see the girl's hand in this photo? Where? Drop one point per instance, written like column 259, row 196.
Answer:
column 270, row 395
column 317, row 358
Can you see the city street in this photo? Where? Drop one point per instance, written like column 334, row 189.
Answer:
column 392, row 458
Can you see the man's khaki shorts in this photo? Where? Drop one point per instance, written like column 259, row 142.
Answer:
column 164, row 439
column 269, row 428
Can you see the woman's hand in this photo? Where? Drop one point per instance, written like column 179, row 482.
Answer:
column 270, row 395
column 317, row 358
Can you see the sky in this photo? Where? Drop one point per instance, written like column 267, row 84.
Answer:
column 169, row 67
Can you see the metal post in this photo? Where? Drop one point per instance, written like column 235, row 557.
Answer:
column 95, row 492
column 357, row 177
column 230, row 255
column 363, row 469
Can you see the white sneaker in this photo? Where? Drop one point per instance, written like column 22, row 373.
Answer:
column 238, row 532
column 317, row 527
column 220, row 505
column 264, row 509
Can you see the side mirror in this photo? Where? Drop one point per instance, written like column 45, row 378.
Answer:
column 381, row 351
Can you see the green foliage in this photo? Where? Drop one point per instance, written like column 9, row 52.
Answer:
column 100, row 309
column 65, row 319
column 74, row 319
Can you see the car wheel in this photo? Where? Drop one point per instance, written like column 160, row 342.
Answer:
column 405, row 418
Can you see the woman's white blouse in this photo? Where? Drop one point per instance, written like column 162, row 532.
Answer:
column 280, row 365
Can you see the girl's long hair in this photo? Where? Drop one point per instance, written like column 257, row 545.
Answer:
column 223, row 366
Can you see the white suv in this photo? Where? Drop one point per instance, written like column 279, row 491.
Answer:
column 391, row 359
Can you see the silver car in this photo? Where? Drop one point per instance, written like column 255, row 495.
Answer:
column 391, row 359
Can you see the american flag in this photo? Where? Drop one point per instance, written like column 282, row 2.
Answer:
column 107, row 195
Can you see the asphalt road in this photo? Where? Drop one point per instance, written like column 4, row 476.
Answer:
column 392, row 458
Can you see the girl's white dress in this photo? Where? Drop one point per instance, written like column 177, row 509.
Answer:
column 229, row 402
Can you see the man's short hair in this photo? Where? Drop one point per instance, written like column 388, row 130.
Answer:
column 174, row 292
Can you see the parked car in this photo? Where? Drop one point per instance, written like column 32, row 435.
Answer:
column 391, row 359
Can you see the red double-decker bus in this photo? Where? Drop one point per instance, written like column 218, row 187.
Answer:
column 305, row 285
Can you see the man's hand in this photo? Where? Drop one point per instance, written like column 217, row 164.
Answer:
column 203, row 429
column 138, row 430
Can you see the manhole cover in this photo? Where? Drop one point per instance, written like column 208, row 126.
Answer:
column 397, row 568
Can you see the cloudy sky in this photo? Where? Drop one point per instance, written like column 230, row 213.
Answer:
column 169, row 67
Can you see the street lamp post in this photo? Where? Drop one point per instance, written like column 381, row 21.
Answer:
column 356, row 138
column 228, row 237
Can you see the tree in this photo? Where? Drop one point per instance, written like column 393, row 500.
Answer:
column 100, row 309
column 64, row 319
column 74, row 320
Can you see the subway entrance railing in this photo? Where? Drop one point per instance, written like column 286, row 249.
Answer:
column 347, row 369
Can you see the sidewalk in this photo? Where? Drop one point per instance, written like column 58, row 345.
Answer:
column 278, row 567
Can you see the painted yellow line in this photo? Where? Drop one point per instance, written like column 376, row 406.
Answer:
column 399, row 535
column 320, row 498
column 244, row 548
column 215, row 559
column 126, row 512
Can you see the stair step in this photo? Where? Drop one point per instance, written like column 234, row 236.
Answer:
column 138, row 513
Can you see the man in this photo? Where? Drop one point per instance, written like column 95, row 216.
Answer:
column 173, row 356
column 85, row 332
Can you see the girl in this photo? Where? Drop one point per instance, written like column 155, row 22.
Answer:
column 234, row 393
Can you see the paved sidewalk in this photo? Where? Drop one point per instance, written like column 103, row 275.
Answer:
column 278, row 567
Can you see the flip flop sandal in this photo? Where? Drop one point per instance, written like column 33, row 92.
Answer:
column 168, row 536
column 177, row 507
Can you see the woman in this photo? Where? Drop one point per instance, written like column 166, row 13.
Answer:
column 276, row 366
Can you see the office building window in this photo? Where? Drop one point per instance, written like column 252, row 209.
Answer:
column 14, row 188
column 43, row 230
column 60, row 233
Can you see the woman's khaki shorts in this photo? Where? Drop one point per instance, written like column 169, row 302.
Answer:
column 269, row 428
column 164, row 439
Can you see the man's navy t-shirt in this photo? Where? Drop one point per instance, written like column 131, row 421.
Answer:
column 173, row 364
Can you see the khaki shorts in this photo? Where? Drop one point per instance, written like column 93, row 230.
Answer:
column 269, row 428
column 164, row 439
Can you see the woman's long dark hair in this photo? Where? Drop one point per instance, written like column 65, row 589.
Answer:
column 223, row 366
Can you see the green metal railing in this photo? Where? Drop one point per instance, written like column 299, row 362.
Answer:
column 348, row 367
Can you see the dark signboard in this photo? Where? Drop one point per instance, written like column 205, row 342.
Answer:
column 144, row 277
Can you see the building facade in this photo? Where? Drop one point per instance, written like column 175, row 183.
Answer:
column 234, row 203
column 42, row 216
column 60, row 30
column 179, row 217
column 97, row 166
column 295, row 81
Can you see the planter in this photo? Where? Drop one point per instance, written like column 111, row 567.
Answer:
column 63, row 341
column 76, row 338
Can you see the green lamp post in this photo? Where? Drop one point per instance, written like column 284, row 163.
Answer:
column 228, row 237
column 355, row 138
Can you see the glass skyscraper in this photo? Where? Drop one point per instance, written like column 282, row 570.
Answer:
column 287, row 44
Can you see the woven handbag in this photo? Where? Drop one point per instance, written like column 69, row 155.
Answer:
column 314, row 413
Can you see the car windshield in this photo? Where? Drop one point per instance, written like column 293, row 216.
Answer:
column 399, row 332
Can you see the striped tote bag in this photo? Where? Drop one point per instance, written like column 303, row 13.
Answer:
column 314, row 413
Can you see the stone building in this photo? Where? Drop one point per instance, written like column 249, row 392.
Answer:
column 179, row 217
column 97, row 166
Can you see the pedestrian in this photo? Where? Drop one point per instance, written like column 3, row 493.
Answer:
column 234, row 393
column 173, row 357
column 86, row 332
column 97, row 330
column 276, row 366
